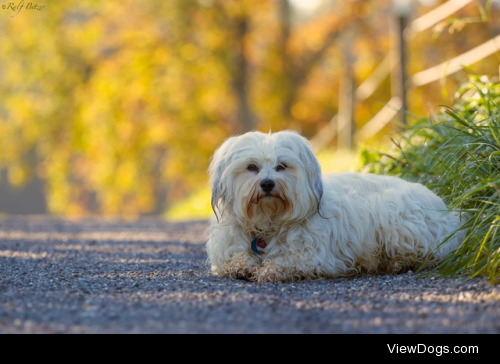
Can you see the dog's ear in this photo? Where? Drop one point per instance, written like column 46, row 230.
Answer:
column 218, row 165
column 313, row 169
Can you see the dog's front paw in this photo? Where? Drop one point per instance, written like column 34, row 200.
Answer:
column 239, row 272
column 239, row 268
column 275, row 274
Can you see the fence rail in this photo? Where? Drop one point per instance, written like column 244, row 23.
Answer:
column 377, row 77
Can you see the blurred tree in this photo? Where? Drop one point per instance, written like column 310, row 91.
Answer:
column 118, row 105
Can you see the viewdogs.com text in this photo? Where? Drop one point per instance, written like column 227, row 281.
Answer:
column 437, row 350
column 22, row 5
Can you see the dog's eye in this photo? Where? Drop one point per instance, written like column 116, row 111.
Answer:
column 253, row 168
column 281, row 167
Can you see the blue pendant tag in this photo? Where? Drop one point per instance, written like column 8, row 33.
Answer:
column 254, row 246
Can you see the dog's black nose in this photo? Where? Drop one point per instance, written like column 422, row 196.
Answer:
column 267, row 185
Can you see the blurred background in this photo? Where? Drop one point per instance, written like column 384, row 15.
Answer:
column 114, row 108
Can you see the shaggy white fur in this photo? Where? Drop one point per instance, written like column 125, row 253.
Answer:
column 316, row 226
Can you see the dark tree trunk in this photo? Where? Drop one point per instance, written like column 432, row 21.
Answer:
column 296, row 73
column 286, row 26
column 241, row 70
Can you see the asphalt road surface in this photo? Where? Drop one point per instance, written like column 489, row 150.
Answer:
column 151, row 277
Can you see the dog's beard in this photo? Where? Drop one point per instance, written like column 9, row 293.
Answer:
column 274, row 206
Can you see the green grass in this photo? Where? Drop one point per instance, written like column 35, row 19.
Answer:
column 457, row 154
column 195, row 207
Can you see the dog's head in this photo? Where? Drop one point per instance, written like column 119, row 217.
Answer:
column 266, row 177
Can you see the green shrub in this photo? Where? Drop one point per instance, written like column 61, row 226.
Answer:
column 457, row 154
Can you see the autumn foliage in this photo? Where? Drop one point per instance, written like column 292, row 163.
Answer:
column 118, row 105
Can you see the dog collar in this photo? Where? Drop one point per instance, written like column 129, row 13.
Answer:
column 258, row 246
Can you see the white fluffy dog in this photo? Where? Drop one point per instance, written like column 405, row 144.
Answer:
column 277, row 219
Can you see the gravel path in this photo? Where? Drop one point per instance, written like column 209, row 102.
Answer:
column 150, row 277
